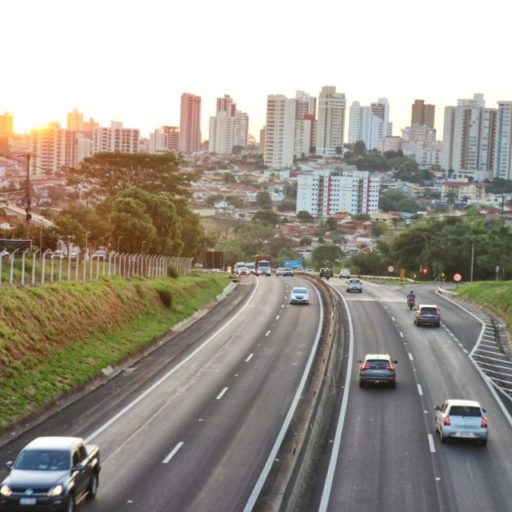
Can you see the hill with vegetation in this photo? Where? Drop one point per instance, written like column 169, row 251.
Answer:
column 58, row 336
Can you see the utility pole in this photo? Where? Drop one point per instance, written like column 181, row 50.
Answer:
column 28, row 215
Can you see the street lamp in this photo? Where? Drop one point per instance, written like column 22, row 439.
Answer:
column 142, row 246
column 119, row 238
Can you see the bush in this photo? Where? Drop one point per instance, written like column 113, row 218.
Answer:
column 172, row 271
column 165, row 296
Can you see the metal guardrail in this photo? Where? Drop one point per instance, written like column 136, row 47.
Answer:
column 37, row 268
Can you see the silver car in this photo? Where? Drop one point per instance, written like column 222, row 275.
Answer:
column 299, row 295
column 461, row 419
column 354, row 285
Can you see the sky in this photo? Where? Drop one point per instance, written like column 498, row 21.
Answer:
column 130, row 61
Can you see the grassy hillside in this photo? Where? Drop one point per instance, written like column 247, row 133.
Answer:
column 55, row 337
column 495, row 295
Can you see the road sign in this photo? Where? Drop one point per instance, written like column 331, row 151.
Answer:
column 293, row 264
column 457, row 277
column 391, row 268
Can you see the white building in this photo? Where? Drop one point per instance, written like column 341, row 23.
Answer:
column 279, row 131
column 241, row 129
column 116, row 138
column 468, row 142
column 305, row 123
column 330, row 125
column 221, row 133
column 503, row 146
column 324, row 193
column 369, row 123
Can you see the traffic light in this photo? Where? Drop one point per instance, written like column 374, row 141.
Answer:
column 424, row 271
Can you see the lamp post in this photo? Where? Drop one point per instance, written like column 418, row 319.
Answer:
column 142, row 246
column 119, row 238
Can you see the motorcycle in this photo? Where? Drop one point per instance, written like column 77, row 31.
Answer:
column 411, row 302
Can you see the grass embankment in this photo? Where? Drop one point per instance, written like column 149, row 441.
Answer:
column 55, row 337
column 495, row 296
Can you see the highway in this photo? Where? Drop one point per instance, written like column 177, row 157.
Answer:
column 193, row 425
column 383, row 454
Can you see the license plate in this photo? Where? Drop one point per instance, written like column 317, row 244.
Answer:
column 28, row 501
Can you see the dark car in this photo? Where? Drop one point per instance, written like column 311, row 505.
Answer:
column 51, row 474
column 377, row 369
column 427, row 314
column 325, row 272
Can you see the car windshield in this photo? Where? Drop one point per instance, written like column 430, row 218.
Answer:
column 43, row 460
column 299, row 290
column 429, row 311
column 464, row 410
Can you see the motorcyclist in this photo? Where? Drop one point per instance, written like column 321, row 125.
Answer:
column 411, row 298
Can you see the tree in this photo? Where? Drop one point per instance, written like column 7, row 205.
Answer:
column 237, row 150
column 331, row 224
column 263, row 199
column 266, row 217
column 213, row 198
column 305, row 240
column 107, row 174
column 305, row 217
column 286, row 205
column 164, row 235
column 229, row 177
column 326, row 256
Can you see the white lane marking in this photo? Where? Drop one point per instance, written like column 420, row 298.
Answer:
column 393, row 318
column 162, row 379
column 472, row 355
column 326, row 492
column 249, row 358
column 282, row 305
column 277, row 317
column 496, row 352
column 490, row 358
column 431, row 443
column 492, row 365
column 401, row 334
column 420, row 390
column 279, row 440
column 173, row 452
column 222, row 393
column 267, row 333
column 410, row 357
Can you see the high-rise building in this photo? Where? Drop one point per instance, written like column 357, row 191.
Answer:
column 331, row 121
column 279, row 131
column 503, row 153
column 52, row 148
column 116, row 138
column 6, row 125
column 422, row 114
column 324, row 193
column 229, row 127
column 469, row 134
column 305, row 123
column 369, row 124
column 190, row 123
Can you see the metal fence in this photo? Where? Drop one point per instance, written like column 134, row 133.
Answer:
column 36, row 268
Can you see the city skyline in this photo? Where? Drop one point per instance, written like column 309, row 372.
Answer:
column 125, row 62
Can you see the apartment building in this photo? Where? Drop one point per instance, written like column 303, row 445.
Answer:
column 323, row 193
column 116, row 138
column 330, row 126
column 279, row 131
column 503, row 144
column 190, row 123
column 369, row 123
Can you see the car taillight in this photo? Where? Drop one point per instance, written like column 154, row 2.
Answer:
column 483, row 423
column 365, row 367
column 389, row 367
column 446, row 420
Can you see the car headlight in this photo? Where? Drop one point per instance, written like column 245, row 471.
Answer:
column 56, row 491
column 5, row 490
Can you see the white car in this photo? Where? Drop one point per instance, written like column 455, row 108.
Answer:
column 299, row 295
column 345, row 273
column 461, row 419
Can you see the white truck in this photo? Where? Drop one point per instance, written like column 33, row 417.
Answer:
column 264, row 268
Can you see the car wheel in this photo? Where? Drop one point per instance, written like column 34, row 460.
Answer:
column 393, row 385
column 71, row 506
column 361, row 384
column 442, row 438
column 93, row 487
column 483, row 442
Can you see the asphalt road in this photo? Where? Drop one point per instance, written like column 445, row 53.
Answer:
column 191, row 426
column 388, row 457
